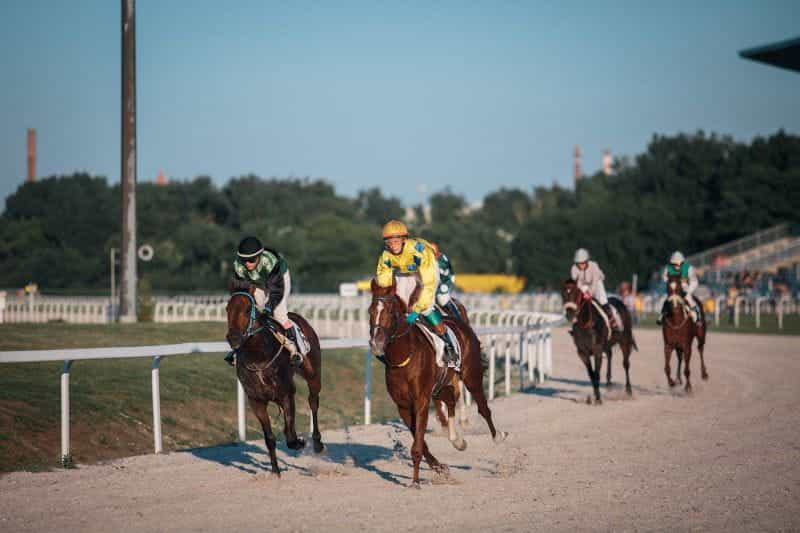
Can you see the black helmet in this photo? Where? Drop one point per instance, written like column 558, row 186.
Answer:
column 249, row 247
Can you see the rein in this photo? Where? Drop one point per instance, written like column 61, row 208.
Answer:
column 393, row 336
column 250, row 332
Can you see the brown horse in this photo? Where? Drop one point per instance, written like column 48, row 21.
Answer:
column 412, row 372
column 263, row 368
column 679, row 330
column 591, row 335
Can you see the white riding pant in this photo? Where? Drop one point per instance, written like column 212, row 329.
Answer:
column 281, row 311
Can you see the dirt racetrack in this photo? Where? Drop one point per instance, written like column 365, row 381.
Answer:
column 725, row 458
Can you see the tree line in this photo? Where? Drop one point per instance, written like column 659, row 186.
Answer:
column 686, row 192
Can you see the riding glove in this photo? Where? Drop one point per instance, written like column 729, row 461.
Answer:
column 412, row 317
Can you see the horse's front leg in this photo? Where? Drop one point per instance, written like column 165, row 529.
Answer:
column 679, row 355
column 598, row 366
column 419, row 448
column 667, row 369
column 686, row 365
column 292, row 440
column 608, row 351
column 260, row 410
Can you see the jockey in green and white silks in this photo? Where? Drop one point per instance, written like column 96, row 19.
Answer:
column 269, row 272
column 679, row 266
column 447, row 279
column 589, row 277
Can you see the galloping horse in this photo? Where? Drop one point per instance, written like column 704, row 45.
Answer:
column 263, row 368
column 593, row 337
column 412, row 372
column 678, row 330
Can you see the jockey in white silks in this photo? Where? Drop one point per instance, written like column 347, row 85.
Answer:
column 589, row 277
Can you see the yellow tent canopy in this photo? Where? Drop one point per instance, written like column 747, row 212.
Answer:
column 488, row 283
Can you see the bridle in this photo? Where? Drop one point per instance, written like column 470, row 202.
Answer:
column 392, row 336
column 250, row 332
column 676, row 299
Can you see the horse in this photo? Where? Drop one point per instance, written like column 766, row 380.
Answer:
column 592, row 336
column 678, row 330
column 265, row 372
column 412, row 372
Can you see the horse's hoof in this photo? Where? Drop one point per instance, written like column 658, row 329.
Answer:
column 298, row 444
column 442, row 469
column 598, row 401
column 589, row 399
column 459, row 444
column 705, row 376
column 671, row 383
column 609, row 384
column 318, row 446
column 500, row 437
column 414, row 485
column 688, row 388
column 629, row 390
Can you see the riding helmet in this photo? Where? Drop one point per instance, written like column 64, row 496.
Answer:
column 677, row 258
column 394, row 228
column 581, row 255
column 249, row 247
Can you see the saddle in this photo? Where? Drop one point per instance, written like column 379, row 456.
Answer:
column 438, row 345
column 688, row 307
column 277, row 329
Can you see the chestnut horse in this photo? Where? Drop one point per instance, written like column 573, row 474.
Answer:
column 263, row 368
column 591, row 335
column 412, row 372
column 679, row 330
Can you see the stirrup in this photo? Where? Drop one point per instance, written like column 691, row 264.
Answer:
column 231, row 358
column 382, row 359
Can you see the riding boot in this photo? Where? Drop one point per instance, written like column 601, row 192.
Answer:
column 612, row 317
column 662, row 315
column 295, row 356
column 452, row 310
column 699, row 320
column 231, row 358
column 449, row 357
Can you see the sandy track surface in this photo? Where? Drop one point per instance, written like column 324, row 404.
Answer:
column 727, row 457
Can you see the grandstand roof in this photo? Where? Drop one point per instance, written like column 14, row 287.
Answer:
column 784, row 54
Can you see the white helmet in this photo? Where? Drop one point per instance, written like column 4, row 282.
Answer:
column 581, row 255
column 676, row 258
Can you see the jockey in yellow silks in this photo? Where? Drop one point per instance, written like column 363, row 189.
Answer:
column 404, row 256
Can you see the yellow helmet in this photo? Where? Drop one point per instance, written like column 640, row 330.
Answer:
column 394, row 228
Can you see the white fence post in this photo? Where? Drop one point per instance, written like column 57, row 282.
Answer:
column 156, row 405
column 241, row 412
column 739, row 300
column 491, row 366
column 66, row 457
column 368, row 388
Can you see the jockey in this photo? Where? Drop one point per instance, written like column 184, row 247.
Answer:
column 589, row 277
column 269, row 272
column 447, row 278
column 403, row 256
column 678, row 266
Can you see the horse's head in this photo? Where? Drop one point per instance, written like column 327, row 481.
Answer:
column 241, row 312
column 571, row 297
column 385, row 314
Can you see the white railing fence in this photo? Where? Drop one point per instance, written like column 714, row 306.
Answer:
column 519, row 338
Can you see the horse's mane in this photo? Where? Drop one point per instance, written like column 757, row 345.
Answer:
column 238, row 285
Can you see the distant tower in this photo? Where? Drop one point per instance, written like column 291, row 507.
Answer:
column 578, row 171
column 160, row 179
column 31, row 155
column 607, row 161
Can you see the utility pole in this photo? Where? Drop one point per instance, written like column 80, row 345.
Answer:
column 31, row 155
column 127, row 307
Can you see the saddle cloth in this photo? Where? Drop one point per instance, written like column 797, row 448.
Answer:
column 438, row 345
column 687, row 307
column 303, row 346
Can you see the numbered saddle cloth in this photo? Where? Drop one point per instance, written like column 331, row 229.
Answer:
column 439, row 346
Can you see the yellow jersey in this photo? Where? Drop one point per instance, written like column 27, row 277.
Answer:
column 417, row 257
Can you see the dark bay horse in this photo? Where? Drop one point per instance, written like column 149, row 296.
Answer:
column 440, row 407
column 591, row 335
column 679, row 330
column 412, row 372
column 263, row 368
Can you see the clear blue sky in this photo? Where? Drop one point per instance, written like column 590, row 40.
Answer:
column 474, row 95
